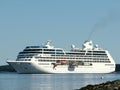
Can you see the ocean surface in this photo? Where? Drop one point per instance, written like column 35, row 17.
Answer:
column 14, row 81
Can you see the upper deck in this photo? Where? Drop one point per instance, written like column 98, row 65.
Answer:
column 49, row 49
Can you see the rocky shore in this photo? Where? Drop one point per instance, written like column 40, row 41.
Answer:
column 110, row 85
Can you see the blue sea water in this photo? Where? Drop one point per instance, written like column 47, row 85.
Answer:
column 14, row 81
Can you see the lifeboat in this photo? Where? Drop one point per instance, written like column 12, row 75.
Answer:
column 61, row 61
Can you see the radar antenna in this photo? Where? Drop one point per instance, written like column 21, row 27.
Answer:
column 48, row 42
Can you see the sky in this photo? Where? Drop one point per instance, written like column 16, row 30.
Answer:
column 65, row 22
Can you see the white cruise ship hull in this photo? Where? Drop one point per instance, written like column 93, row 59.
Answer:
column 42, row 68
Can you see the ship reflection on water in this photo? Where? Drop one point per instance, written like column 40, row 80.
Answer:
column 14, row 81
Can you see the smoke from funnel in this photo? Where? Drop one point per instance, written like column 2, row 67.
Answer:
column 104, row 22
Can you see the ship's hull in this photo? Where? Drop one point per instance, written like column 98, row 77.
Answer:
column 41, row 68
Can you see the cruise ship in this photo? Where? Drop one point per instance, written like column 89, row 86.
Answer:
column 45, row 59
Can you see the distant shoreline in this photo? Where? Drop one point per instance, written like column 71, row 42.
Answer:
column 7, row 68
column 11, row 69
